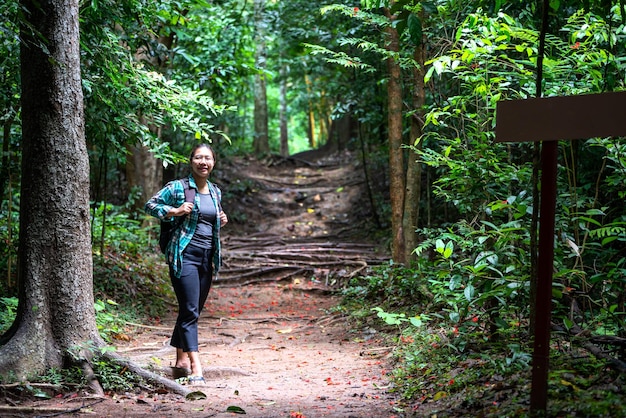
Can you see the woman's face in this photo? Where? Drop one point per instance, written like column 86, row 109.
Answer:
column 202, row 162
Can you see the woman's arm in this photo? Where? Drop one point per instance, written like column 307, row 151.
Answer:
column 167, row 202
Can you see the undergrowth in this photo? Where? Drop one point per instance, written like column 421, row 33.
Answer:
column 461, row 353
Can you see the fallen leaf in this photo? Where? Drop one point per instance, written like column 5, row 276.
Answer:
column 195, row 396
column 235, row 410
column 439, row 395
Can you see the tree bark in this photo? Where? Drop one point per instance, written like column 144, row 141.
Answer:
column 261, row 139
column 396, row 159
column 56, row 306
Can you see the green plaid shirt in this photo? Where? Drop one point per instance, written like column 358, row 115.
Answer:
column 172, row 196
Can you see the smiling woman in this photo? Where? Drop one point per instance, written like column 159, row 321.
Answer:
column 193, row 253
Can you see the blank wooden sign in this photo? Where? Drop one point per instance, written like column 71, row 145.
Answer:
column 556, row 118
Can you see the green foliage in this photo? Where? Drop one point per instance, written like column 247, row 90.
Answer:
column 9, row 233
column 112, row 376
column 113, row 227
column 124, row 87
column 115, row 377
column 108, row 320
column 127, row 266
column 8, row 310
column 400, row 318
column 139, row 283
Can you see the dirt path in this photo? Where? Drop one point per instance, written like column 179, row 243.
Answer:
column 271, row 342
column 272, row 351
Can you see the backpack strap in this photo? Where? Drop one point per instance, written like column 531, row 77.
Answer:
column 190, row 193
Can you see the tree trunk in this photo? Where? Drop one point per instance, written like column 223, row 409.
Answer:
column 284, row 136
column 396, row 160
column 56, row 306
column 311, row 114
column 414, row 168
column 261, row 140
column 144, row 171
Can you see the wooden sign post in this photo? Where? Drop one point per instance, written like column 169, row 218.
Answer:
column 549, row 120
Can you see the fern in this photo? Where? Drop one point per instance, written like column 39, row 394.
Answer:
column 609, row 233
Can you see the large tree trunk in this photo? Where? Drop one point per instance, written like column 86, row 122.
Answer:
column 56, row 306
column 261, row 139
column 396, row 160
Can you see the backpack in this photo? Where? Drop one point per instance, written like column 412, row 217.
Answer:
column 168, row 228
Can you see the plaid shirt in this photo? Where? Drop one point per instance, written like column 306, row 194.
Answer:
column 172, row 196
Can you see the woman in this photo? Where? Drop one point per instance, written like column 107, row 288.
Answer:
column 193, row 253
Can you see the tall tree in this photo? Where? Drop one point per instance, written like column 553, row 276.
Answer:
column 261, row 139
column 284, row 133
column 413, row 184
column 396, row 159
column 56, row 306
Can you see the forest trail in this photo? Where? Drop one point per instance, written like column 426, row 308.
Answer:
column 296, row 219
column 271, row 343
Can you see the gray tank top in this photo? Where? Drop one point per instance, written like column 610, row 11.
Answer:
column 203, row 237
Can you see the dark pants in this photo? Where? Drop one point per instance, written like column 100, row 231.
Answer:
column 191, row 291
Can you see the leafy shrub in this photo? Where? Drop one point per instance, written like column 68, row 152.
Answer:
column 8, row 309
column 113, row 227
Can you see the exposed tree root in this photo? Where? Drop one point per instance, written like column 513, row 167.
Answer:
column 269, row 258
column 168, row 384
column 92, row 381
column 17, row 411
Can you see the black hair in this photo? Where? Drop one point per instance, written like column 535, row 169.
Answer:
column 197, row 147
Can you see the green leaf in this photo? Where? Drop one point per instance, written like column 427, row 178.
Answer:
column 235, row 410
column 568, row 323
column 196, row 396
column 469, row 292
column 608, row 240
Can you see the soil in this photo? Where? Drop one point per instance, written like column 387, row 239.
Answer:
column 272, row 342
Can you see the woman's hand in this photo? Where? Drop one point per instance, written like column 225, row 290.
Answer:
column 182, row 210
column 223, row 218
